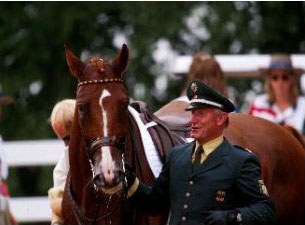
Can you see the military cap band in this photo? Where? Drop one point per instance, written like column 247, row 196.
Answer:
column 207, row 102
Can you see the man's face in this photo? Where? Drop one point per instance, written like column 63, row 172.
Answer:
column 207, row 123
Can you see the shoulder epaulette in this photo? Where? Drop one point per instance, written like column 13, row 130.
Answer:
column 242, row 148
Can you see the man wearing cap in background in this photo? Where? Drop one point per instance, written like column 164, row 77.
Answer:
column 5, row 215
column 207, row 181
column 282, row 102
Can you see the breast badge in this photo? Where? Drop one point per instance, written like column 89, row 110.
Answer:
column 220, row 196
column 262, row 187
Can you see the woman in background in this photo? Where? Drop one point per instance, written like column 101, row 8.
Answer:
column 282, row 102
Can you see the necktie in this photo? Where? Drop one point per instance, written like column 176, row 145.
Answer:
column 198, row 154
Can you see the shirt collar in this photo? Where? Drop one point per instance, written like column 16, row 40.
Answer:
column 210, row 146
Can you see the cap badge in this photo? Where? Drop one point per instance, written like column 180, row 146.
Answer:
column 194, row 89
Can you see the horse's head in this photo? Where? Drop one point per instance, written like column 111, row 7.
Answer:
column 101, row 110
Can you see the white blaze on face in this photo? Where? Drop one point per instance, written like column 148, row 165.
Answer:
column 107, row 164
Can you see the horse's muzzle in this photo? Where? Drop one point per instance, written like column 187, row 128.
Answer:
column 109, row 180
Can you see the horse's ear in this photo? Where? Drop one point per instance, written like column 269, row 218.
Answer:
column 75, row 65
column 120, row 62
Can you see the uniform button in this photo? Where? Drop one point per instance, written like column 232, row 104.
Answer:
column 183, row 218
column 191, row 182
column 185, row 206
column 187, row 194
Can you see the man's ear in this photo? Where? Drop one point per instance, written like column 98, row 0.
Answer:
column 222, row 118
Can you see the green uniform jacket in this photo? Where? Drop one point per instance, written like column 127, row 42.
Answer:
column 229, row 178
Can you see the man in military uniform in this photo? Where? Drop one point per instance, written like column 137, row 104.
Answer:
column 208, row 181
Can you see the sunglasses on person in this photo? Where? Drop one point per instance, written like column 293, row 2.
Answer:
column 283, row 78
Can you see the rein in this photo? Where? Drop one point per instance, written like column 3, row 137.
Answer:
column 81, row 217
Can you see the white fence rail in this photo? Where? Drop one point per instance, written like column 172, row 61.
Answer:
column 236, row 65
column 32, row 153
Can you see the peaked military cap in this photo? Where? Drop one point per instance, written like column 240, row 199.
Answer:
column 201, row 95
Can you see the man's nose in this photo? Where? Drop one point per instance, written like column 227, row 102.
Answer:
column 193, row 119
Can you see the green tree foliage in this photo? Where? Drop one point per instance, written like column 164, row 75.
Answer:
column 34, row 33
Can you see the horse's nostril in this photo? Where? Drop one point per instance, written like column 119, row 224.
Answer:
column 120, row 173
column 98, row 180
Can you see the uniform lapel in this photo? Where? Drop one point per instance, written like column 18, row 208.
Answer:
column 188, row 156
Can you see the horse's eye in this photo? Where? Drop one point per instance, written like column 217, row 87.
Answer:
column 83, row 108
column 125, row 104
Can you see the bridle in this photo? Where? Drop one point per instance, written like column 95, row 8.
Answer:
column 106, row 140
column 100, row 142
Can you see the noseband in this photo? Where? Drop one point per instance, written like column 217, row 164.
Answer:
column 108, row 141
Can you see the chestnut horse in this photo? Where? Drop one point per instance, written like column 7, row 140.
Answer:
column 102, row 139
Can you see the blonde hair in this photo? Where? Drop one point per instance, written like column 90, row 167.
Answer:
column 62, row 114
column 204, row 67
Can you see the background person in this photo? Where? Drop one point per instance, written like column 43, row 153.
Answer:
column 207, row 181
column 281, row 103
column 205, row 67
column 61, row 121
column 6, row 216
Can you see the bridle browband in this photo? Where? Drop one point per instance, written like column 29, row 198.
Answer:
column 100, row 141
column 106, row 80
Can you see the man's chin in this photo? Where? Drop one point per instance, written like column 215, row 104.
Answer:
column 193, row 135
